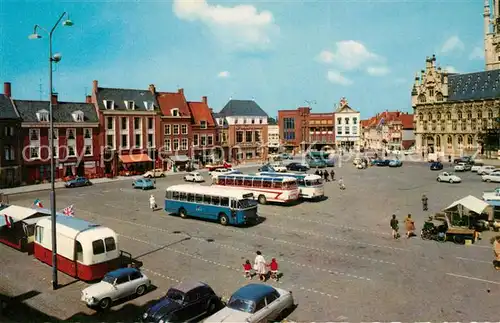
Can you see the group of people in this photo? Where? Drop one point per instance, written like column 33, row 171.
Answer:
column 325, row 175
column 409, row 225
column 261, row 268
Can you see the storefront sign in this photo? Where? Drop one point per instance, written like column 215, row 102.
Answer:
column 89, row 164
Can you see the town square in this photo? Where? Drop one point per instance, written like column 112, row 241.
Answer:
column 217, row 175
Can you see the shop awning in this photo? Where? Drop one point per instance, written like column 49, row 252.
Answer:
column 15, row 213
column 135, row 158
column 471, row 203
column 179, row 158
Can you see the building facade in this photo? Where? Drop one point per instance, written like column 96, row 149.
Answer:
column 273, row 138
column 246, row 130
column 10, row 141
column 205, row 132
column 129, row 120
column 347, row 126
column 391, row 130
column 76, row 139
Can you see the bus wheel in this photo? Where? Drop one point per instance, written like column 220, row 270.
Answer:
column 223, row 219
column 182, row 213
column 105, row 303
column 262, row 199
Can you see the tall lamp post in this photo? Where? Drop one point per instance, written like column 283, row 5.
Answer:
column 52, row 59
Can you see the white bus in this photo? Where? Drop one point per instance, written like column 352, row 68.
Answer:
column 311, row 186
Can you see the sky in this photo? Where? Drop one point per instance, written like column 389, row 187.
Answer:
column 282, row 54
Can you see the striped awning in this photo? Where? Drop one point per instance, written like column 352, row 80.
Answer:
column 135, row 158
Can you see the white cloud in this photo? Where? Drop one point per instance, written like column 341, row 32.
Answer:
column 477, row 53
column 348, row 55
column 242, row 27
column 337, row 78
column 452, row 44
column 223, row 74
column 378, row 71
column 451, row 69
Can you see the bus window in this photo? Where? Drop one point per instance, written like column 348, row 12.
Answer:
column 238, row 181
column 168, row 195
column 230, row 181
column 224, row 201
column 199, row 198
column 190, row 197
column 267, row 183
column 276, row 184
column 247, row 182
column 221, row 181
column 207, row 199
column 215, row 200
column 98, row 247
column 175, row 195
column 302, row 182
column 183, row 196
column 110, row 244
column 257, row 182
column 39, row 234
column 79, row 251
column 233, row 204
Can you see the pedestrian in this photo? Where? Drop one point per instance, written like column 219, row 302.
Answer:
column 259, row 266
column 317, row 171
column 424, row 203
column 325, row 175
column 247, row 268
column 332, row 175
column 320, row 173
column 395, row 227
column 496, row 252
column 341, row 184
column 152, row 203
column 410, row 226
column 274, row 269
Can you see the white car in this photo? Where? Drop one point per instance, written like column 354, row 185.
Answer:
column 486, row 170
column 279, row 167
column 194, row 177
column 255, row 303
column 492, row 177
column 410, row 152
column 448, row 177
column 476, row 167
column 462, row 167
column 154, row 173
column 116, row 285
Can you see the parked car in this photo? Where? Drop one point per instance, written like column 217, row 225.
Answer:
column 448, row 177
column 286, row 156
column 116, row 285
column 382, row 163
column 476, row 167
column 464, row 159
column 297, row 167
column 154, row 173
column 78, row 182
column 462, row 167
column 316, row 163
column 436, row 166
column 143, row 183
column 186, row 302
column 219, row 171
column 255, row 303
column 194, row 177
column 267, row 168
column 485, row 170
column 395, row 163
column 492, row 177
column 279, row 167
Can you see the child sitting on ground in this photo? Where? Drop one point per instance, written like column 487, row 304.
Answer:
column 274, row 269
column 247, row 267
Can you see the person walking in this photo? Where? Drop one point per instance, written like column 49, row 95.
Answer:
column 152, row 202
column 332, row 175
column 274, row 269
column 325, row 175
column 317, row 171
column 395, row 227
column 341, row 184
column 496, row 252
column 424, row 203
column 247, row 268
column 410, row 226
column 259, row 266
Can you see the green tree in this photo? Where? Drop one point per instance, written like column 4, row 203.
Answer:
column 489, row 138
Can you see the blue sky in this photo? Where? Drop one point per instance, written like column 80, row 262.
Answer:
column 280, row 53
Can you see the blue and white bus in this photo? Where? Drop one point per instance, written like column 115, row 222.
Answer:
column 235, row 207
column 311, row 186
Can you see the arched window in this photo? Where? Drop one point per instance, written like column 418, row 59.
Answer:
column 438, row 116
column 480, row 114
column 469, row 140
column 460, row 140
column 448, row 115
column 469, row 115
column 420, row 116
column 450, row 140
column 429, row 116
column 421, row 98
column 490, row 114
column 439, row 97
column 459, row 114
column 438, row 141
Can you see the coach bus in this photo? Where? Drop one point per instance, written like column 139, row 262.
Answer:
column 311, row 186
column 235, row 207
column 265, row 188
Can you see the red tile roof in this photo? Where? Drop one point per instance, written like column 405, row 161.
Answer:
column 404, row 118
column 200, row 111
column 408, row 143
column 407, row 121
column 169, row 101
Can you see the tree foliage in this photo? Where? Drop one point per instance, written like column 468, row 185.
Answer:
column 490, row 137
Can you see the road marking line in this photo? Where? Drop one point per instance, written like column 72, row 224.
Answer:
column 474, row 260
column 160, row 275
column 474, row 278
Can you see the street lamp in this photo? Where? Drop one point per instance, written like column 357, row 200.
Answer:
column 53, row 58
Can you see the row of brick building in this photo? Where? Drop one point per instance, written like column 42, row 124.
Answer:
column 120, row 131
column 392, row 130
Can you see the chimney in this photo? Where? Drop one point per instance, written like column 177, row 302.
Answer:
column 95, row 85
column 88, row 99
column 398, row 114
column 7, row 89
column 180, row 91
column 53, row 99
column 204, row 99
column 152, row 88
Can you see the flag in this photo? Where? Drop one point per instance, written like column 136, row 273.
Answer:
column 37, row 203
column 69, row 211
column 8, row 221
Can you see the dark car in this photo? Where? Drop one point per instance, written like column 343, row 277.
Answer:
column 297, row 167
column 436, row 166
column 187, row 301
column 77, row 182
column 385, row 162
column 267, row 168
column 464, row 159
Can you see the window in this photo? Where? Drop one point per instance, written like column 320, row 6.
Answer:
column 239, row 136
column 70, row 134
column 210, row 141
column 167, row 130
column 124, row 143
column 168, row 145
column 9, row 152
column 354, row 120
column 224, row 201
column 135, row 275
column 448, row 115
column 339, row 120
column 78, row 116
column 109, row 105
column 195, row 140
column 207, row 199
column 439, row 97
column 88, row 150
column 110, row 244
column 431, row 92
column 137, row 123
column 339, row 130
column 34, row 134
column 151, row 140
column 149, row 105
column 469, row 115
column 346, row 120
column 39, row 234
column 248, row 136
column 289, row 123
column 175, row 113
column 257, row 136
column 71, row 151
column 130, row 105
column 109, row 123
column 346, row 130
column 87, row 133
column 479, row 115
column 110, row 141
column 122, row 280
column 137, row 141
column 215, row 200
column 203, row 124
column 261, row 121
column 151, row 124
column 124, row 123
column 42, row 116
column 176, row 129
column 98, row 247
column 249, row 155
column 459, row 114
column 184, row 129
column 199, row 198
column 490, row 114
column 289, row 135
column 176, row 144
column 184, row 144
column 253, row 121
column 203, row 140
column 9, row 131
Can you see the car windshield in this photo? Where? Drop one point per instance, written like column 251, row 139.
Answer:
column 315, row 182
column 246, row 203
column 242, row 305
column 175, row 295
column 109, row 279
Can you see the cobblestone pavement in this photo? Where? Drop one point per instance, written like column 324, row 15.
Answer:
column 336, row 256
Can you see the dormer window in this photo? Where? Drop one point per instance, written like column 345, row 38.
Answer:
column 109, row 104
column 130, row 105
column 203, row 124
column 175, row 113
column 78, row 116
column 43, row 116
column 149, row 105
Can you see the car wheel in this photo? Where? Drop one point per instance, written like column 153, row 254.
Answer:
column 105, row 303
column 451, row 181
column 182, row 213
column 211, row 307
column 223, row 219
column 162, row 175
column 439, row 179
column 262, row 199
column 141, row 290
column 488, row 180
column 149, row 176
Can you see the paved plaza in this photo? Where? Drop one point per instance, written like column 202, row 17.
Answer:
column 337, row 256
